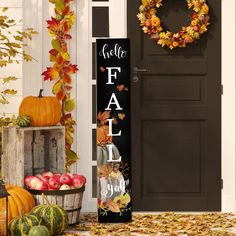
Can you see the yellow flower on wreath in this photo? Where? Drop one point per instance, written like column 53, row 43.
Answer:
column 194, row 22
column 155, row 21
column 152, row 11
column 205, row 9
column 145, row 2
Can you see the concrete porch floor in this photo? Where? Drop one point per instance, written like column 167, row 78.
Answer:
column 161, row 224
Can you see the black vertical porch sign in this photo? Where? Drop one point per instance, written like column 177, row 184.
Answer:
column 113, row 130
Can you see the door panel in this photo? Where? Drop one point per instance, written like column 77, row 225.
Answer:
column 176, row 115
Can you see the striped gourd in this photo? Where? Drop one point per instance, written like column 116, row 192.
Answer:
column 53, row 217
column 21, row 226
column 39, row 230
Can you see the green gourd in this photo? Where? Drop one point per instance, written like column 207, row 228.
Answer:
column 39, row 230
column 20, row 226
column 23, row 121
column 53, row 217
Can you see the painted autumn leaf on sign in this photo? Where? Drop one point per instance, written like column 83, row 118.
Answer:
column 102, row 69
column 122, row 88
column 113, row 206
column 122, row 200
column 102, row 117
column 114, row 121
column 121, row 116
column 104, row 171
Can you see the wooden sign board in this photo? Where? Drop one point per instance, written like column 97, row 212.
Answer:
column 113, row 130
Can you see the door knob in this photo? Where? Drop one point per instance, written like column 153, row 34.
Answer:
column 135, row 79
column 137, row 70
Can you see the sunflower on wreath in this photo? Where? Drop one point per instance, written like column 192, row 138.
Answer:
column 151, row 23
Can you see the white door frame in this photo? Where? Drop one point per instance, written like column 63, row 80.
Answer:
column 228, row 106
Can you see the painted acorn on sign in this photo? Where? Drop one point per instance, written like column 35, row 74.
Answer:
column 43, row 111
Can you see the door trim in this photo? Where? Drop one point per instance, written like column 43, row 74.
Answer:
column 228, row 106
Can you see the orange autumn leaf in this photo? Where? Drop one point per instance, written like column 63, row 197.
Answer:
column 121, row 116
column 102, row 117
column 113, row 206
column 60, row 95
column 50, row 74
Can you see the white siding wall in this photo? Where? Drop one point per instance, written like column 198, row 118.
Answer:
column 14, row 12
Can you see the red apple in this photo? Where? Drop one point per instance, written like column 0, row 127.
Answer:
column 82, row 178
column 66, row 179
column 54, row 183
column 57, row 175
column 46, row 179
column 65, row 187
column 39, row 176
column 34, row 182
column 77, row 182
column 27, row 180
column 47, row 173
column 71, row 175
column 41, row 185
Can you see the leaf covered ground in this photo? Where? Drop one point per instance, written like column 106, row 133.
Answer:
column 163, row 224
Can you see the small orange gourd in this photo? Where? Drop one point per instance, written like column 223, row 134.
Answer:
column 43, row 111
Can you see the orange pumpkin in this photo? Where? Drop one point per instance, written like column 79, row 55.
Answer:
column 102, row 135
column 43, row 111
column 19, row 201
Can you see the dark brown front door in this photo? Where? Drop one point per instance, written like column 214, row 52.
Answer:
column 176, row 115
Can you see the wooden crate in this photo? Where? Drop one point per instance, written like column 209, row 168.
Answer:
column 31, row 151
column 70, row 200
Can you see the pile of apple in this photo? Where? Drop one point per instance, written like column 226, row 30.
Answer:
column 54, row 181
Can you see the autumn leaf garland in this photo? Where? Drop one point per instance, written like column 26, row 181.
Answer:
column 62, row 69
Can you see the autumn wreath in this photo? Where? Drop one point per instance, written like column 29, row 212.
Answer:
column 151, row 23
